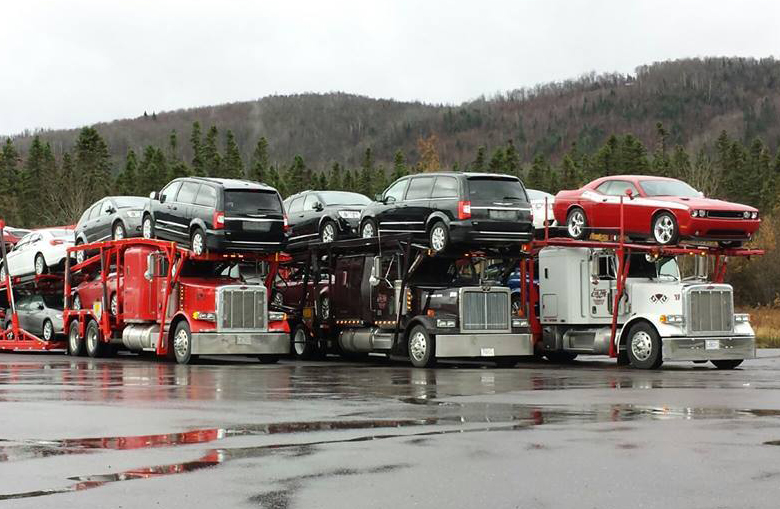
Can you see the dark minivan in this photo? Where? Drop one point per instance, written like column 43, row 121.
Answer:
column 445, row 208
column 217, row 214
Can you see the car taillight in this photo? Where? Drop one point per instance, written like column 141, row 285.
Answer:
column 218, row 220
column 286, row 224
column 464, row 209
column 56, row 242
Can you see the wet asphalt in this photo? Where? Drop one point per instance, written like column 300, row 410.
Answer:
column 131, row 432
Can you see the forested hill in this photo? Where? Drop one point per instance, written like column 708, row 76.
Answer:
column 694, row 99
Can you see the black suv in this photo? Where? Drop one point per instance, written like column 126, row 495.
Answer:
column 217, row 214
column 324, row 215
column 468, row 208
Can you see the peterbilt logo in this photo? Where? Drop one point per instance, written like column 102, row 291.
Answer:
column 658, row 297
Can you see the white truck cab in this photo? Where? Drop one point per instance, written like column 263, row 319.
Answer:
column 661, row 316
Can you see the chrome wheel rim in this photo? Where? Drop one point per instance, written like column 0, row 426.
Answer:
column 2, row 273
column 119, row 232
column 197, row 244
column 79, row 256
column 576, row 224
column 368, row 230
column 147, row 228
column 663, row 229
column 73, row 339
column 92, row 339
column 299, row 342
column 77, row 303
column 418, row 346
column 181, row 343
column 325, row 308
column 48, row 331
column 641, row 346
column 39, row 265
column 114, row 305
column 328, row 233
column 438, row 238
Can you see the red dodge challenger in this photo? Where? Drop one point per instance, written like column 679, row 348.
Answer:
column 660, row 208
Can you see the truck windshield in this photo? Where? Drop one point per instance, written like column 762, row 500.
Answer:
column 496, row 189
column 668, row 269
column 250, row 202
column 662, row 268
column 435, row 273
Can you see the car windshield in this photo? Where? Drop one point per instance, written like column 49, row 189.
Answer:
column 341, row 198
column 249, row 202
column 60, row 234
column 130, row 202
column 668, row 188
column 53, row 301
column 494, row 188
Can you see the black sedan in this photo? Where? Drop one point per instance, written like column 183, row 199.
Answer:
column 324, row 215
column 40, row 315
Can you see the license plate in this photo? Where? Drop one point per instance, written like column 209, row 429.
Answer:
column 243, row 340
column 488, row 352
column 711, row 344
column 505, row 215
column 257, row 227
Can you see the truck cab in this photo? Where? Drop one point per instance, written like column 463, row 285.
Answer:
column 660, row 315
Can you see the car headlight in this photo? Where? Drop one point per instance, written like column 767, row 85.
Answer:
column 133, row 213
column 741, row 318
column 277, row 316
column 519, row 322
column 349, row 214
column 746, row 214
column 694, row 213
column 673, row 319
column 206, row 317
column 445, row 324
column 754, row 215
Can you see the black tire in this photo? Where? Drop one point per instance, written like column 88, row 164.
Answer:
column 727, row 364
column 40, row 265
column 506, row 362
column 329, row 232
column 301, row 345
column 118, row 231
column 268, row 359
column 368, row 223
column 560, row 357
column 577, row 224
column 47, row 332
column 181, row 343
column 93, row 341
column 644, row 347
column 147, row 227
column 75, row 341
column 421, row 347
column 439, row 237
column 665, row 230
column 198, row 242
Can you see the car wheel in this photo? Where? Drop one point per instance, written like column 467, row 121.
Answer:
column 48, row 330
column 368, row 229
column 80, row 255
column 665, row 229
column 94, row 340
column 644, row 347
column 302, row 346
column 147, row 229
column 75, row 341
column 113, row 305
column 182, row 343
column 2, row 272
column 198, row 242
column 328, row 232
column 577, row 224
column 727, row 364
column 439, row 237
column 422, row 348
column 118, row 232
column 40, row 265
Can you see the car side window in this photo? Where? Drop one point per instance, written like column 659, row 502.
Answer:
column 445, row 187
column 207, row 196
column 604, row 188
column 187, row 192
column 106, row 208
column 619, row 187
column 170, row 191
column 420, row 188
column 308, row 203
column 296, row 205
column 397, row 190
column 94, row 211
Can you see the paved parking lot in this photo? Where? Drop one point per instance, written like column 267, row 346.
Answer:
column 132, row 432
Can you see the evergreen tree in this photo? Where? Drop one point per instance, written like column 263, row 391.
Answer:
column 93, row 164
column 334, row 179
column 176, row 166
column 296, row 176
column 31, row 189
column 260, row 162
column 537, row 174
column 380, row 181
column 569, row 173
column 680, row 165
column 479, row 163
column 322, row 181
column 348, row 184
column 511, row 160
column 127, row 180
column 233, row 166
column 212, row 162
column 197, row 149
column 661, row 163
column 399, row 166
column 552, row 184
column 497, row 161
column 366, row 180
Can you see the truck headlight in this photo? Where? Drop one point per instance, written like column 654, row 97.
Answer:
column 673, row 319
column 277, row 316
column 133, row 213
column 206, row 317
column 519, row 322
column 349, row 214
column 445, row 324
column 741, row 318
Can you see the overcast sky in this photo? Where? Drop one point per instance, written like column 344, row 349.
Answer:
column 76, row 62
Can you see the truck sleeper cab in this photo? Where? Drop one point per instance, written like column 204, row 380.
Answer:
column 661, row 317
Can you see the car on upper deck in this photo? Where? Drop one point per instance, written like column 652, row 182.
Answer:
column 324, row 216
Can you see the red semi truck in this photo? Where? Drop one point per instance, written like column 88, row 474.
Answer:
column 161, row 298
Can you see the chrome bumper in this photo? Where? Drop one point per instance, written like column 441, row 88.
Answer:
column 483, row 345
column 215, row 343
column 696, row 349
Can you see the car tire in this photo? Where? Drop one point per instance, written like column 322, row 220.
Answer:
column 560, row 357
column 118, row 231
column 368, row 229
column 439, row 237
column 75, row 341
column 644, row 347
column 182, row 343
column 727, row 364
column 302, row 347
column 665, row 230
column 147, row 227
column 329, row 232
column 577, row 224
column 80, row 255
column 94, row 341
column 198, row 242
column 268, row 359
column 421, row 347
column 40, row 265
column 47, row 333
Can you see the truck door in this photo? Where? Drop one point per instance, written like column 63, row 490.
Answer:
column 382, row 289
column 346, row 302
column 602, row 285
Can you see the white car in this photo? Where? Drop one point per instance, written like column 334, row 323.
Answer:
column 39, row 251
column 537, row 206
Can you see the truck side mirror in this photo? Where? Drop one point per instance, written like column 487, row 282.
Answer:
column 373, row 280
column 149, row 274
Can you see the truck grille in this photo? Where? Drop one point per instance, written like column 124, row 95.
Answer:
column 241, row 308
column 711, row 310
column 485, row 310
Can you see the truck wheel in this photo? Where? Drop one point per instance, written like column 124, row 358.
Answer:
column 268, row 359
column 422, row 348
column 75, row 341
column 644, row 347
column 560, row 357
column 182, row 343
column 94, row 341
column 302, row 346
column 577, row 224
column 439, row 237
column 665, row 229
column 727, row 364
column 198, row 242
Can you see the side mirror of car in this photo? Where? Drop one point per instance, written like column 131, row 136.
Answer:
column 378, row 197
column 630, row 194
column 317, row 206
column 40, row 306
column 111, row 210
column 153, row 195
column 389, row 199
